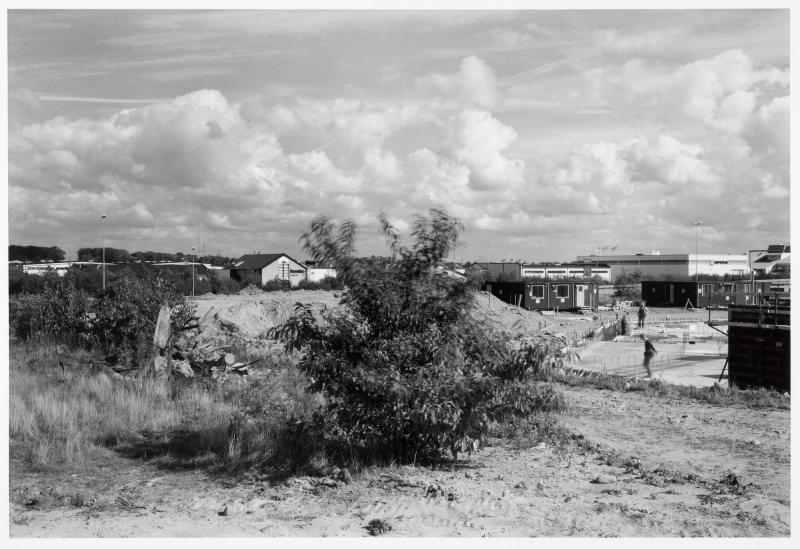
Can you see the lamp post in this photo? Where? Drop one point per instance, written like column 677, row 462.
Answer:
column 193, row 255
column 103, row 216
column 696, row 271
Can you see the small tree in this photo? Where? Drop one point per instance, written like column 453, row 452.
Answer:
column 404, row 365
column 628, row 286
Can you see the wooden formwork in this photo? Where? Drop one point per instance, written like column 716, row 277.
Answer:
column 759, row 341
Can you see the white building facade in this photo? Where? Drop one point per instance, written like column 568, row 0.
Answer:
column 565, row 270
column 678, row 265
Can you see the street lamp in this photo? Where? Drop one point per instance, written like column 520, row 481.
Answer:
column 696, row 272
column 193, row 254
column 103, row 216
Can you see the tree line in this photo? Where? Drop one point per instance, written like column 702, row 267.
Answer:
column 35, row 253
column 112, row 255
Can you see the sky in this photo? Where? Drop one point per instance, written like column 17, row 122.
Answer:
column 550, row 134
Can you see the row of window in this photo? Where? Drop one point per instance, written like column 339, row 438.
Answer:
column 537, row 290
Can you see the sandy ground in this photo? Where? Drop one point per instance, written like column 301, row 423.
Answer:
column 635, row 466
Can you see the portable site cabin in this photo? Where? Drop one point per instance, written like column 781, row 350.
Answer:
column 546, row 295
column 710, row 294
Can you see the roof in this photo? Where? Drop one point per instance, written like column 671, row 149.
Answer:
column 256, row 262
column 570, row 265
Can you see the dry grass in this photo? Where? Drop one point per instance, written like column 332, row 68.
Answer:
column 66, row 417
column 716, row 394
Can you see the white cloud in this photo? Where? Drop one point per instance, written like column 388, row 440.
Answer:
column 478, row 140
column 474, row 84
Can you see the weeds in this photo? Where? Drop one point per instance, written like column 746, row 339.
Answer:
column 65, row 412
column 716, row 394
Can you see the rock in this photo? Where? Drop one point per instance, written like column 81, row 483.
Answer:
column 224, row 512
column 467, row 474
column 433, row 490
column 159, row 365
column 345, row 476
column 604, row 479
column 329, row 483
column 182, row 368
column 521, row 485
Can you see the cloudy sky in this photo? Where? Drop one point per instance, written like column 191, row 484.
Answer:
column 550, row 133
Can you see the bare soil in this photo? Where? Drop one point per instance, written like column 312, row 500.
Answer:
column 631, row 466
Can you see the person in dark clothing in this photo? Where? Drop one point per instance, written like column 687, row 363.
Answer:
column 649, row 353
column 642, row 314
column 623, row 324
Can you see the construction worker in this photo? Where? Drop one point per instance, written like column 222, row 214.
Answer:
column 642, row 314
column 649, row 353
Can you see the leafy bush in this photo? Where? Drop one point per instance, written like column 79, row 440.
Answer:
column 276, row 285
column 121, row 319
column 221, row 285
column 328, row 283
column 128, row 310
column 20, row 282
column 628, row 286
column 403, row 365
column 58, row 312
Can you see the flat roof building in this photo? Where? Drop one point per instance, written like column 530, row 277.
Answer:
column 566, row 270
column 678, row 265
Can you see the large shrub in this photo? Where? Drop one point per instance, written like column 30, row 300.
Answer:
column 125, row 314
column 57, row 312
column 404, row 365
column 119, row 321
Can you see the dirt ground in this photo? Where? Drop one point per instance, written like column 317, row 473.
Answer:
column 633, row 466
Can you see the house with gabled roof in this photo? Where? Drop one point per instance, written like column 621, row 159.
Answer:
column 261, row 268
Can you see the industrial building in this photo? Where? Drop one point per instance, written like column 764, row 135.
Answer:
column 672, row 265
column 501, row 271
column 546, row 295
column 776, row 259
column 566, row 270
column 552, row 270
column 657, row 293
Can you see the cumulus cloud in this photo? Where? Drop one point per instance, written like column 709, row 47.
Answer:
column 478, row 140
column 474, row 84
column 714, row 140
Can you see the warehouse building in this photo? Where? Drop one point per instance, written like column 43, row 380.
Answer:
column 672, row 265
column 566, row 270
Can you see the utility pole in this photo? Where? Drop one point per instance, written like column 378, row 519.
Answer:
column 696, row 230
column 102, row 223
column 192, row 260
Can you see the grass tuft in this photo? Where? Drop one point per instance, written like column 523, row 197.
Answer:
column 716, row 394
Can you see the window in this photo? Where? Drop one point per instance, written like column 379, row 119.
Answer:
column 536, row 291
column 727, row 288
column 562, row 290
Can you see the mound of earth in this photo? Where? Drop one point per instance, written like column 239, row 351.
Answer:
column 246, row 318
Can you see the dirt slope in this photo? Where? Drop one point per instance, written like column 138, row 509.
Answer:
column 660, row 464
